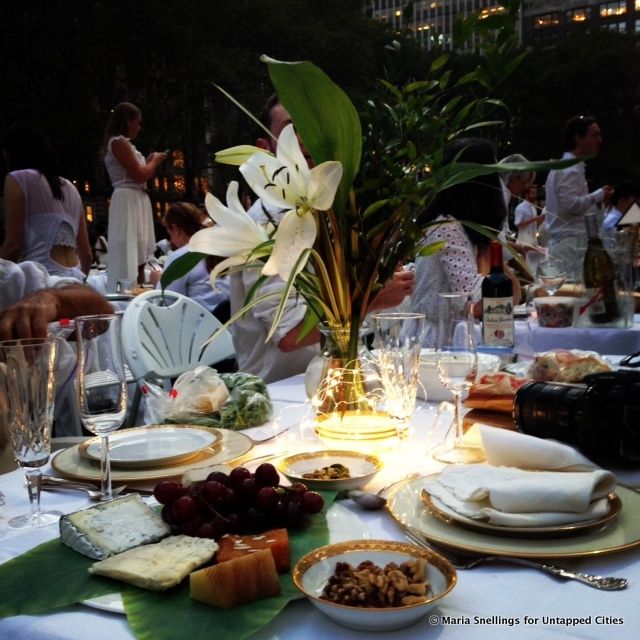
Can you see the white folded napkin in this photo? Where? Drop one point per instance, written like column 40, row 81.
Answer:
column 506, row 448
column 517, row 498
column 526, row 482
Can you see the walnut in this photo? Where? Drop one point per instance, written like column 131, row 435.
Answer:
column 368, row 585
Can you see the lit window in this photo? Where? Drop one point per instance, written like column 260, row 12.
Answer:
column 165, row 184
column 609, row 9
column 579, row 15
column 637, row 26
column 178, row 158
column 546, row 20
column 88, row 210
column 179, row 184
column 156, row 183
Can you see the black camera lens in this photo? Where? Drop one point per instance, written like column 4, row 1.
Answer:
column 549, row 410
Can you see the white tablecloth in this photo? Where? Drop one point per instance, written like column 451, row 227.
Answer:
column 611, row 341
column 492, row 601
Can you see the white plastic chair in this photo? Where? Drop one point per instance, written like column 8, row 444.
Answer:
column 164, row 335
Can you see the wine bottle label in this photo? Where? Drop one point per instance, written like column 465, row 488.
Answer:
column 497, row 322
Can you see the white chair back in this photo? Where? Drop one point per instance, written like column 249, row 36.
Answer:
column 164, row 335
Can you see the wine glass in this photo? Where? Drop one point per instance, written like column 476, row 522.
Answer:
column 27, row 390
column 398, row 341
column 457, row 362
column 101, row 387
column 551, row 274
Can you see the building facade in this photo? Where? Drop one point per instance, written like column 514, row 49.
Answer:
column 541, row 21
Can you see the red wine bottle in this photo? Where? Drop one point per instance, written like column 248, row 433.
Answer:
column 599, row 278
column 497, row 303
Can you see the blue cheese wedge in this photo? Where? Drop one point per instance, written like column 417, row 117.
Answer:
column 158, row 566
column 112, row 527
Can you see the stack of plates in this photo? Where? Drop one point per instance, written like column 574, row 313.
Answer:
column 413, row 508
column 153, row 452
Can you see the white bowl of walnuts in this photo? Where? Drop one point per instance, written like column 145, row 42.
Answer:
column 374, row 585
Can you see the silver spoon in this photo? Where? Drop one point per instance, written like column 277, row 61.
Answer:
column 372, row 501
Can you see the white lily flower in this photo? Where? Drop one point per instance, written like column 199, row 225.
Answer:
column 286, row 182
column 234, row 236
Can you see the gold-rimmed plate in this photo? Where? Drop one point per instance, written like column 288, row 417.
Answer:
column 362, row 467
column 447, row 515
column 405, row 506
column 231, row 446
column 153, row 445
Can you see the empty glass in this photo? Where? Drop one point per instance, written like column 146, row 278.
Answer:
column 551, row 274
column 398, row 340
column 101, row 386
column 27, row 390
column 457, row 362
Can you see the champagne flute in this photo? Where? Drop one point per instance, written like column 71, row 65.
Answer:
column 101, row 386
column 398, row 340
column 457, row 362
column 551, row 274
column 27, row 391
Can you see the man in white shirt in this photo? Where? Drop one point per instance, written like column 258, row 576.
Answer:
column 284, row 355
column 567, row 194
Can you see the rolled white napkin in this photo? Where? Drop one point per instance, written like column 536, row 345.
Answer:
column 514, row 497
column 527, row 481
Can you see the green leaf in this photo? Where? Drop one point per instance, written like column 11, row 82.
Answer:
column 325, row 118
column 431, row 248
column 26, row 581
column 440, row 61
column 52, row 576
column 180, row 267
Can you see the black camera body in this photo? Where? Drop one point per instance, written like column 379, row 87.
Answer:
column 601, row 416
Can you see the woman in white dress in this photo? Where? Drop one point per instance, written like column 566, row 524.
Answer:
column 131, row 234
column 44, row 217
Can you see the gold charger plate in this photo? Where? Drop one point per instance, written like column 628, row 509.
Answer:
column 447, row 515
column 405, row 506
column 232, row 445
column 152, row 446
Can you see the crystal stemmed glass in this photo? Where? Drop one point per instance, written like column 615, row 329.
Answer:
column 551, row 274
column 101, row 386
column 27, row 390
column 457, row 362
column 398, row 340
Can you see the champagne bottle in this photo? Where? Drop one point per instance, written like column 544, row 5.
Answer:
column 599, row 278
column 497, row 303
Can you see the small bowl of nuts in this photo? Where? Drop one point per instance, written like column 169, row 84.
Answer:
column 331, row 470
column 374, row 585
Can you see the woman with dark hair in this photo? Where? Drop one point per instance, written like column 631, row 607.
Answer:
column 131, row 235
column 464, row 260
column 181, row 221
column 44, row 217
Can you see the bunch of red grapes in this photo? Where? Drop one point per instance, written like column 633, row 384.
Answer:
column 240, row 502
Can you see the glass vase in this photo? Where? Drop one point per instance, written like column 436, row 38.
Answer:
column 345, row 388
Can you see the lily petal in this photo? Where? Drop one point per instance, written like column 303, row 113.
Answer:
column 261, row 172
column 224, row 264
column 295, row 234
column 323, row 184
column 236, row 155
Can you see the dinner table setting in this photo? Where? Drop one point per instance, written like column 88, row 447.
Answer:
column 529, row 518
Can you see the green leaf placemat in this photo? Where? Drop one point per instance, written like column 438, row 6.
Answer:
column 52, row 576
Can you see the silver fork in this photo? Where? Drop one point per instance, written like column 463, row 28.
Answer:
column 461, row 561
column 94, row 494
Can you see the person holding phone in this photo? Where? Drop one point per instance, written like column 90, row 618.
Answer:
column 131, row 234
